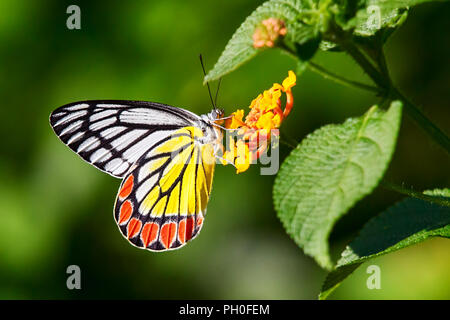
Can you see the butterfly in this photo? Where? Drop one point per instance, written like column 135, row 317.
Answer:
column 164, row 155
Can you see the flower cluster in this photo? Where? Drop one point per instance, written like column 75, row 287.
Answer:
column 267, row 33
column 255, row 132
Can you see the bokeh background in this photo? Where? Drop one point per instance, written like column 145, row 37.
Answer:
column 56, row 210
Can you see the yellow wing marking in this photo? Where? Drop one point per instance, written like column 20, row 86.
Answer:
column 187, row 177
column 176, row 142
column 209, row 163
column 187, row 200
column 158, row 210
column 149, row 200
column 174, row 169
column 172, row 205
column 151, row 166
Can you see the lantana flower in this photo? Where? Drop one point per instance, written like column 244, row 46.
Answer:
column 267, row 33
column 254, row 133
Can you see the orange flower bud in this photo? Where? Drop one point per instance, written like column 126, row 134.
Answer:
column 268, row 32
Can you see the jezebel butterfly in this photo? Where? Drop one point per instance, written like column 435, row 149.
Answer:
column 164, row 155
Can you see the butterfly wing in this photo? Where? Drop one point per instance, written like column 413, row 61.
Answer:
column 113, row 134
column 162, row 200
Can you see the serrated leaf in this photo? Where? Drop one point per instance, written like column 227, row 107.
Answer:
column 240, row 47
column 329, row 172
column 408, row 222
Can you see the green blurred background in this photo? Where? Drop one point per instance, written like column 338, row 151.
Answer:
column 56, row 210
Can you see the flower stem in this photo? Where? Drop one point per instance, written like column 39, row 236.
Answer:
column 414, row 194
column 365, row 64
column 338, row 79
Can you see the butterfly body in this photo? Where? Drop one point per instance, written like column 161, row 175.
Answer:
column 165, row 156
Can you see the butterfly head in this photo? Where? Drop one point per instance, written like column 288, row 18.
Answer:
column 210, row 125
column 215, row 115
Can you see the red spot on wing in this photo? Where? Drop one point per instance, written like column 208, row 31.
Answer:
column 199, row 221
column 167, row 236
column 149, row 233
column 182, row 231
column 189, row 228
column 134, row 227
column 126, row 209
column 126, row 188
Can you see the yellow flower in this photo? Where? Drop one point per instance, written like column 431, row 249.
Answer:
column 254, row 133
column 289, row 82
column 236, row 120
column 230, row 155
column 242, row 161
column 238, row 154
column 265, row 121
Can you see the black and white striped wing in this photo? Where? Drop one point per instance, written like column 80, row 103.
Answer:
column 113, row 134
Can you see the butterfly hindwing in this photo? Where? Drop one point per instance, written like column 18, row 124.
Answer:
column 162, row 200
column 113, row 134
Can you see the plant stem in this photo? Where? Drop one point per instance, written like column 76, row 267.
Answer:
column 426, row 124
column 349, row 46
column 382, row 62
column 415, row 194
column 338, row 79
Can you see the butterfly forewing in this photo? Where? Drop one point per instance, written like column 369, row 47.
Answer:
column 162, row 201
column 112, row 135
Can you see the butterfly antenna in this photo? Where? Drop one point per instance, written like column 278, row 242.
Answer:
column 217, row 92
column 209, row 89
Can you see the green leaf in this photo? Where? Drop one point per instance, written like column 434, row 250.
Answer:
column 430, row 196
column 371, row 16
column 439, row 193
column 329, row 172
column 408, row 222
column 240, row 47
